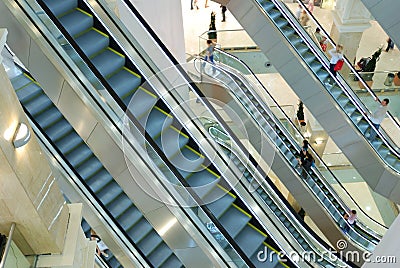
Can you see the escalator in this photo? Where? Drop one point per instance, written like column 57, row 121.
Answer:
column 331, row 100
column 109, row 259
column 152, row 114
column 385, row 13
column 244, row 92
column 40, row 109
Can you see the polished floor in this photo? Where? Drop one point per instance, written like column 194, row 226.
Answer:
column 196, row 23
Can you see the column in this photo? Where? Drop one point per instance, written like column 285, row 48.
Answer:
column 350, row 20
column 29, row 195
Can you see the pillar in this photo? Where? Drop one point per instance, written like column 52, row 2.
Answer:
column 350, row 20
column 29, row 195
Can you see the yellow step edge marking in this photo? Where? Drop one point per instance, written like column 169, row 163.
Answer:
column 241, row 210
column 194, row 151
column 226, row 191
column 258, row 230
column 148, row 92
column 84, row 12
column 181, row 133
column 212, row 172
column 129, row 70
column 286, row 266
column 100, row 32
column 30, row 78
column 270, row 247
column 116, row 52
column 164, row 112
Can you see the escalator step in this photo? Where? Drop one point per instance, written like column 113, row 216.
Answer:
column 99, row 181
column 125, row 83
column 202, row 182
column 80, row 154
column 108, row 62
column 109, row 193
column 156, row 122
column 152, row 241
column 172, row 261
column 160, row 255
column 59, row 7
column 28, row 92
column 250, row 239
column 89, row 168
column 69, row 142
column 142, row 101
column 38, row 105
column 69, row 21
column 49, row 117
column 139, row 230
column 218, row 201
column 188, row 161
column 119, row 206
column 59, row 130
column 129, row 218
column 20, row 81
column 92, row 42
column 171, row 141
column 234, row 220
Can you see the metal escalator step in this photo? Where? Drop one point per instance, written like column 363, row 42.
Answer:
column 156, row 122
column 101, row 179
column 150, row 242
column 109, row 193
column 59, row 130
column 49, row 117
column 79, row 154
column 108, row 62
column 282, row 23
column 141, row 102
column 234, row 220
column 390, row 159
column 60, row 7
column 269, row 262
column 120, row 205
column 302, row 49
column 202, row 182
column 129, row 218
column 267, row 5
column 288, row 32
column 125, row 83
column 21, row 80
column 28, row 92
column 249, row 240
column 171, row 141
column 218, row 201
column 89, row 168
column 69, row 142
column 76, row 22
column 172, row 261
column 92, row 42
column 140, row 230
column 188, row 161
column 160, row 255
column 274, row 14
column 38, row 105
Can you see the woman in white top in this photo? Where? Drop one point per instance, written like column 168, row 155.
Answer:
column 336, row 55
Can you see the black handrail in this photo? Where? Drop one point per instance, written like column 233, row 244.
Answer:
column 298, row 132
column 148, row 138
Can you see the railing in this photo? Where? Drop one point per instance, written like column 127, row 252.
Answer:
column 7, row 246
column 387, row 137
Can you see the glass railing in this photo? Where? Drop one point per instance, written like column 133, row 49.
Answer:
column 222, row 137
column 172, row 95
column 341, row 81
column 285, row 116
column 237, row 91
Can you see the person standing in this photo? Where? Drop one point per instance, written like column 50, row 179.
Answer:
column 378, row 116
column 310, row 6
column 321, row 39
column 209, row 57
column 390, row 44
column 350, row 218
column 223, row 10
column 304, row 18
column 206, row 4
column 298, row 12
column 336, row 55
